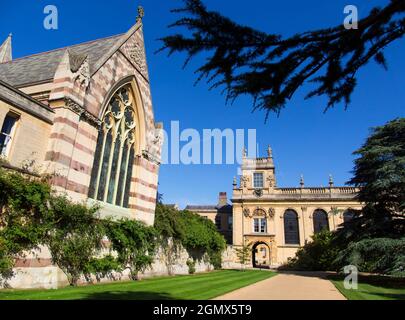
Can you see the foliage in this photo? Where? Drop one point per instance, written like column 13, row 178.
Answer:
column 380, row 173
column 103, row 267
column 74, row 236
column 190, row 230
column 319, row 254
column 372, row 240
column 244, row 254
column 271, row 68
column 23, row 203
column 134, row 243
column 379, row 255
column 191, row 266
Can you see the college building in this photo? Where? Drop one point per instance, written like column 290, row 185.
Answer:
column 275, row 221
column 83, row 115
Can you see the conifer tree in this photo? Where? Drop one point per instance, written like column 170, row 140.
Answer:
column 271, row 68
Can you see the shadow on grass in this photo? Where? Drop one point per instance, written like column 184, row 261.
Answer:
column 128, row 295
column 375, row 280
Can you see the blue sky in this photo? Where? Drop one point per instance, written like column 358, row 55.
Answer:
column 304, row 139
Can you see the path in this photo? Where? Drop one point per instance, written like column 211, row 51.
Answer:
column 289, row 286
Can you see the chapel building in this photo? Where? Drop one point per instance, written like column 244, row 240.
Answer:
column 84, row 115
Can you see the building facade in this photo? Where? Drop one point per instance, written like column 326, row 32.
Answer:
column 220, row 214
column 275, row 221
column 83, row 115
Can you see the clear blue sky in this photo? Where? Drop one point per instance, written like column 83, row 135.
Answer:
column 305, row 140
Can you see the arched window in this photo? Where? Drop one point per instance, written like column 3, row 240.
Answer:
column 321, row 221
column 348, row 215
column 115, row 153
column 291, row 230
column 7, row 133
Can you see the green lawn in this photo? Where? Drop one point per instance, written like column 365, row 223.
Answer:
column 373, row 288
column 196, row 287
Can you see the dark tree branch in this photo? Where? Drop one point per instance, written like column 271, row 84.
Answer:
column 271, row 69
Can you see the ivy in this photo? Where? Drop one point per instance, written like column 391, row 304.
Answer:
column 134, row 243
column 74, row 236
column 192, row 231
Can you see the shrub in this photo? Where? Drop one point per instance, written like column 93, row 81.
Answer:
column 317, row 255
column 191, row 266
column 103, row 267
column 134, row 243
column 381, row 255
column 192, row 231
column 23, row 203
column 74, row 236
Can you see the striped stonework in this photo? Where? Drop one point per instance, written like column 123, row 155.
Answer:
column 62, row 99
column 79, row 96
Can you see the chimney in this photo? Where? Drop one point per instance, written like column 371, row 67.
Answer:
column 223, row 199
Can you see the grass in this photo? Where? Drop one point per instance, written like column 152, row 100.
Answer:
column 196, row 287
column 373, row 288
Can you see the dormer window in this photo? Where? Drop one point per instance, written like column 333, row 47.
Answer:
column 258, row 181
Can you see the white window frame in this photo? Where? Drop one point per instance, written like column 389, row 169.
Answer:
column 261, row 230
column 253, row 179
column 5, row 151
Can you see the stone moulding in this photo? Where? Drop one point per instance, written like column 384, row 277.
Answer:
column 84, row 114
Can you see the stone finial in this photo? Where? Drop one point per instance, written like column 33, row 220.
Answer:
column 244, row 152
column 6, row 50
column 331, row 182
column 270, row 152
column 302, row 182
column 141, row 14
column 235, row 182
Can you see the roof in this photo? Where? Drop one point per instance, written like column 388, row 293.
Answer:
column 42, row 67
column 23, row 101
column 5, row 50
column 224, row 209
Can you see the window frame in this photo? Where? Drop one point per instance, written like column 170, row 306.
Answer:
column 317, row 220
column 116, row 149
column 261, row 226
column 6, row 148
column 254, row 180
column 297, row 235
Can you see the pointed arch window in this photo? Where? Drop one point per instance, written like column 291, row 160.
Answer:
column 115, row 152
column 321, row 221
column 291, row 229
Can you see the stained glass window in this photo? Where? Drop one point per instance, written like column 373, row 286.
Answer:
column 115, row 153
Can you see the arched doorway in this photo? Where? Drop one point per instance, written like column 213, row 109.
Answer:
column 261, row 255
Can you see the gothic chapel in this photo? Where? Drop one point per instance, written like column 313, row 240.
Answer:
column 84, row 114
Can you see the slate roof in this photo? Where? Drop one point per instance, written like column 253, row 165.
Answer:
column 42, row 67
column 227, row 208
column 23, row 101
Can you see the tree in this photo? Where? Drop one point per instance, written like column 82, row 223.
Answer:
column 270, row 68
column 379, row 172
column 244, row 254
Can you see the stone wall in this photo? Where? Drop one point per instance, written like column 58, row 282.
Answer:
column 39, row 276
